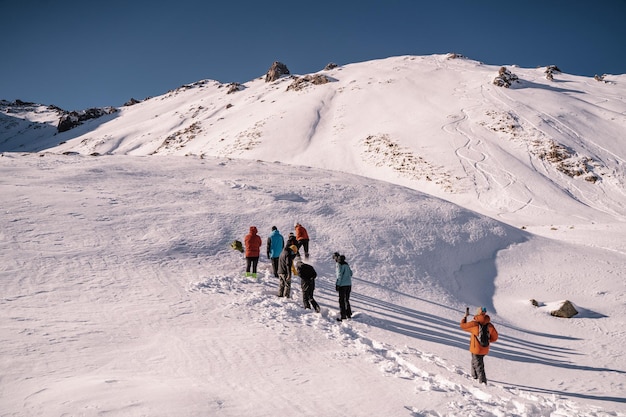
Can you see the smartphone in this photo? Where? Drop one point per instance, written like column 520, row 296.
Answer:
column 467, row 311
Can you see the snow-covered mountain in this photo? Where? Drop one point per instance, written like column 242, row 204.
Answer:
column 121, row 294
column 433, row 123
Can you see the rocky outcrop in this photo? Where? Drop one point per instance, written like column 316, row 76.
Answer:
column 132, row 102
column 505, row 78
column 234, row 87
column 277, row 70
column 550, row 71
column 301, row 82
column 75, row 118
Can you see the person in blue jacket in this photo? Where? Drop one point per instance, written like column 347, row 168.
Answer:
column 275, row 245
column 343, row 286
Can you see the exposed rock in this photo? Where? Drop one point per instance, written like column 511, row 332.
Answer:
column 453, row 55
column 534, row 302
column 234, row 87
column 277, row 70
column 72, row 119
column 301, row 82
column 330, row 65
column 550, row 71
column 567, row 310
column 505, row 78
column 19, row 102
column 132, row 102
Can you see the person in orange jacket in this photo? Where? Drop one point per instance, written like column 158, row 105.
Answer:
column 303, row 238
column 252, row 243
column 479, row 351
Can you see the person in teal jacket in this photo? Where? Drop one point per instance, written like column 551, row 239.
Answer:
column 343, row 286
column 275, row 245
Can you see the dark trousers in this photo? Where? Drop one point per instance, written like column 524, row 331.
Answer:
column 478, row 368
column 304, row 243
column 284, row 286
column 252, row 261
column 344, row 302
column 308, row 287
column 275, row 266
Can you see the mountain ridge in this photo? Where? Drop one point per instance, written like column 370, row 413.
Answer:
column 434, row 123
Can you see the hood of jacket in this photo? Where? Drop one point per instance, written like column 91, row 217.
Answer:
column 253, row 230
column 482, row 318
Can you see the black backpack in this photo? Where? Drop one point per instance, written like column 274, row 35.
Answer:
column 307, row 272
column 483, row 334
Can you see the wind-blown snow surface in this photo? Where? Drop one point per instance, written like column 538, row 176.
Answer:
column 121, row 296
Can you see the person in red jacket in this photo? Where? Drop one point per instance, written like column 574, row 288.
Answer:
column 303, row 239
column 252, row 243
column 478, row 351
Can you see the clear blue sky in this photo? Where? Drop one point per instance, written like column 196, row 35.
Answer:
column 81, row 54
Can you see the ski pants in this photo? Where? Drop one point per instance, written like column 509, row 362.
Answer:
column 284, row 286
column 478, row 368
column 275, row 266
column 252, row 261
column 344, row 301
column 304, row 243
column 308, row 286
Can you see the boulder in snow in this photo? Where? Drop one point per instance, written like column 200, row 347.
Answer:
column 567, row 310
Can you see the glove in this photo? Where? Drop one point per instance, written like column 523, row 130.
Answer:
column 337, row 288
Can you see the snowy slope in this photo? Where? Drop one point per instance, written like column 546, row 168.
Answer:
column 121, row 296
column 433, row 123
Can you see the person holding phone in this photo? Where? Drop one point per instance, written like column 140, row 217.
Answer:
column 478, row 350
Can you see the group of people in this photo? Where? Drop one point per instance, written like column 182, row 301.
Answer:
column 286, row 262
column 275, row 246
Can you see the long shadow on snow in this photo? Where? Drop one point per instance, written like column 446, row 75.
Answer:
column 428, row 327
column 563, row 393
column 424, row 326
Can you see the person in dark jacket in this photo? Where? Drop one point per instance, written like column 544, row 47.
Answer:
column 275, row 245
column 478, row 351
column 252, row 243
column 285, row 262
column 343, row 285
column 307, row 282
column 291, row 239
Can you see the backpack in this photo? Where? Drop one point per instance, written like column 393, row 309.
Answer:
column 237, row 245
column 483, row 334
column 307, row 272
